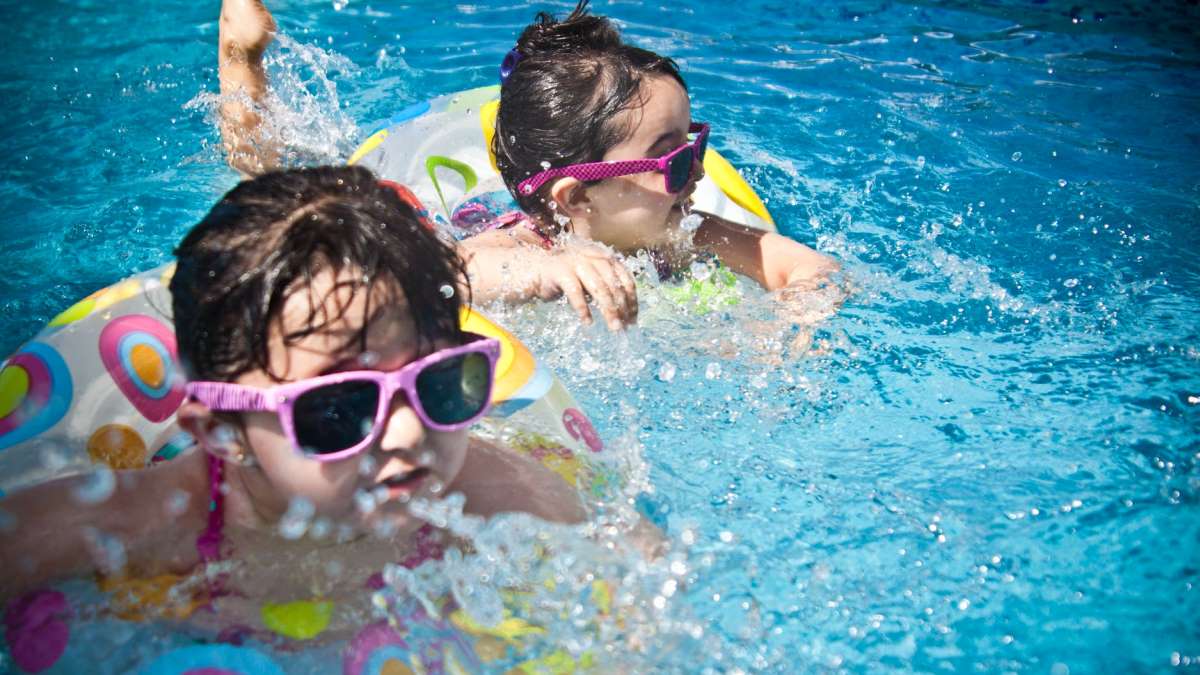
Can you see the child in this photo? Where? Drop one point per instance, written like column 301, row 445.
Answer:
column 329, row 383
column 577, row 271
column 595, row 137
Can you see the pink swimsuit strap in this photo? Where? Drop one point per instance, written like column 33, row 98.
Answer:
column 208, row 544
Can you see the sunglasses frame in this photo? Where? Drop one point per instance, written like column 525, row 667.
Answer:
column 281, row 399
column 592, row 171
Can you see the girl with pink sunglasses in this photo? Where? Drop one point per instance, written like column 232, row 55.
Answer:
column 595, row 137
column 329, row 381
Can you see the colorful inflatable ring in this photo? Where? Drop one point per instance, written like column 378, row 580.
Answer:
column 100, row 385
column 441, row 148
column 213, row 660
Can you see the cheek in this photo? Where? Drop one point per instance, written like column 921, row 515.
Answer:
column 451, row 449
column 635, row 196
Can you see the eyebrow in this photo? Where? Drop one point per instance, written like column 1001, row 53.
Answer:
column 663, row 138
column 345, row 359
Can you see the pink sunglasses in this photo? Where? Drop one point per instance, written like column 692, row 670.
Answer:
column 336, row 416
column 677, row 166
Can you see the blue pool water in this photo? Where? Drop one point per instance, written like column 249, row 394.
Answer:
column 987, row 460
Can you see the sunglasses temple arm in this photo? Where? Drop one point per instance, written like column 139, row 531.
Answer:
column 222, row 396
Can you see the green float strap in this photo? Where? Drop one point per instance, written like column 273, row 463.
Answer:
column 462, row 169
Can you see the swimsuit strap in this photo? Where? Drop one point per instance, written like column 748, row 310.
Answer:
column 208, row 544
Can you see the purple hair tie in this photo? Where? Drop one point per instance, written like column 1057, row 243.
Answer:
column 509, row 64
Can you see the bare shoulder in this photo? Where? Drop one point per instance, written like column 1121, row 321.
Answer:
column 498, row 480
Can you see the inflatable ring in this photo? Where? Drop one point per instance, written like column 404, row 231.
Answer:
column 213, row 660
column 441, row 148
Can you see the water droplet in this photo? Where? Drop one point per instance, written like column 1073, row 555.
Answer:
column 700, row 270
column 177, row 503
column 367, row 465
column 712, row 371
column 365, row 502
column 97, row 486
column 447, row 291
column 545, row 165
column 1016, row 156
column 321, row 527
column 295, row 521
column 1070, row 283
column 589, row 364
column 107, row 551
column 666, row 372
column 691, row 222
column 368, row 359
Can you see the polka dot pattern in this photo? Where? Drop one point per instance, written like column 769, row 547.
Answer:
column 138, row 351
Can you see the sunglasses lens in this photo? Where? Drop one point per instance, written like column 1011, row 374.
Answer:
column 336, row 417
column 702, row 148
column 456, row 389
column 679, row 170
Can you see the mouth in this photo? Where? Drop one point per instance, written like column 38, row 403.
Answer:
column 403, row 485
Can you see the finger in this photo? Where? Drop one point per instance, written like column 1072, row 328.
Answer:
column 626, row 307
column 573, row 290
column 628, row 289
column 598, row 286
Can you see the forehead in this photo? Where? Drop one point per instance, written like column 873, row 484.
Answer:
column 665, row 109
column 333, row 310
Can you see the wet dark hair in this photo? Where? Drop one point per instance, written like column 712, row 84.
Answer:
column 270, row 236
column 561, row 101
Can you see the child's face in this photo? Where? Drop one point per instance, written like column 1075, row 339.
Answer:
column 431, row 459
column 636, row 212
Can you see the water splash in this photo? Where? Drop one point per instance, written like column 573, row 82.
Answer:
column 302, row 113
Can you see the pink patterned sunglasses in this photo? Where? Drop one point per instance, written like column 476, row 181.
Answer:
column 336, row 416
column 677, row 166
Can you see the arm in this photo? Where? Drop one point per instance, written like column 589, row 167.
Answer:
column 246, row 28
column 52, row 534
column 496, row 480
column 510, row 265
column 772, row 260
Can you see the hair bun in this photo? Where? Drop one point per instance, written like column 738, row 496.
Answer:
column 578, row 32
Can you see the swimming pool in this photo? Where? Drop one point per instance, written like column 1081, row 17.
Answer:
column 989, row 459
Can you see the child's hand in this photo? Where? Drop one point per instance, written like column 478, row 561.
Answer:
column 582, row 270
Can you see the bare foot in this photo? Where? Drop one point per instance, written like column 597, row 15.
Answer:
column 246, row 28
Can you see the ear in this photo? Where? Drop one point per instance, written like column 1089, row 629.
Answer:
column 214, row 435
column 571, row 197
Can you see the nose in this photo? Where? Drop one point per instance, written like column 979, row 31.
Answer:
column 403, row 429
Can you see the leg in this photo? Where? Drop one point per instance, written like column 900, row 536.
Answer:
column 246, row 28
